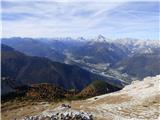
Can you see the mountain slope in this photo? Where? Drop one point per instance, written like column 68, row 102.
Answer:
column 33, row 70
column 45, row 91
column 95, row 52
column 139, row 46
column 137, row 101
column 140, row 65
column 34, row 47
column 97, row 87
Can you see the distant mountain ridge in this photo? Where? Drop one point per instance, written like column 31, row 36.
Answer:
column 34, row 47
column 99, row 55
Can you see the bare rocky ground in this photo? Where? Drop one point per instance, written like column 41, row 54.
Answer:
column 138, row 101
column 63, row 112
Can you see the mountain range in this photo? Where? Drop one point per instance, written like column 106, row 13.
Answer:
column 39, row 74
column 106, row 57
column 20, row 70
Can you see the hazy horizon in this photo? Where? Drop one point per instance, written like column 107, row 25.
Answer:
column 78, row 37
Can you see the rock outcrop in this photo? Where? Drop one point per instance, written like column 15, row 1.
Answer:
column 63, row 112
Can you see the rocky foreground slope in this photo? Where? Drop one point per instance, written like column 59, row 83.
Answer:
column 137, row 101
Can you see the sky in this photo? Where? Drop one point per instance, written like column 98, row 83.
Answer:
column 80, row 18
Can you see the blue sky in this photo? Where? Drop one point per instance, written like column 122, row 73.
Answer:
column 89, row 18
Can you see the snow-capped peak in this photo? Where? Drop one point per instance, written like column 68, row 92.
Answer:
column 81, row 39
column 100, row 38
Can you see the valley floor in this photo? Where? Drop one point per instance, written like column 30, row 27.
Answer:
column 138, row 101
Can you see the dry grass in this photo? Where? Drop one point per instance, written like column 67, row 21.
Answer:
column 19, row 109
column 11, row 110
column 117, row 99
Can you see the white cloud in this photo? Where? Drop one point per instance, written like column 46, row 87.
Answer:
column 50, row 18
